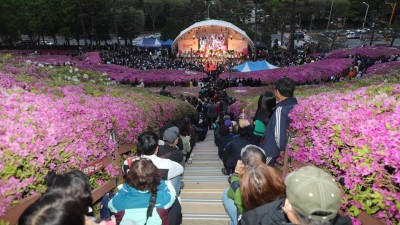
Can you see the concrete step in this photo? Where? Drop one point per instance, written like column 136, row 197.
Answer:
column 201, row 198
column 192, row 167
column 206, row 157
column 208, row 185
column 205, row 219
column 202, row 175
column 206, row 164
column 203, row 216
column 207, row 195
column 205, row 207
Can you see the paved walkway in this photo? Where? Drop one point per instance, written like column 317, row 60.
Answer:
column 204, row 184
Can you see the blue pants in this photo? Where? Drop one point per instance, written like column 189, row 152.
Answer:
column 230, row 207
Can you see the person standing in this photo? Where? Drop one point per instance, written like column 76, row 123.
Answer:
column 211, row 112
column 233, row 149
column 275, row 136
column 266, row 105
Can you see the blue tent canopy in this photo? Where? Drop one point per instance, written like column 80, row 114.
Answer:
column 167, row 43
column 254, row 66
column 150, row 42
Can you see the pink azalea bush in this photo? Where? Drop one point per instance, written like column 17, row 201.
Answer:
column 374, row 52
column 351, row 129
column 245, row 99
column 316, row 71
column 52, row 123
column 384, row 68
column 356, row 136
column 91, row 61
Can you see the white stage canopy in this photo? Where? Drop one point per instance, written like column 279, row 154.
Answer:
column 191, row 37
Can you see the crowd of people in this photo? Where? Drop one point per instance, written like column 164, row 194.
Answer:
column 217, row 61
column 138, row 58
column 257, row 194
column 249, row 149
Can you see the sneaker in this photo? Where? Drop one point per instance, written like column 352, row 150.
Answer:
column 190, row 161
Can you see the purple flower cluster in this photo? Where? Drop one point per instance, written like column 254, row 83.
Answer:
column 356, row 136
column 91, row 61
column 384, row 68
column 317, row 71
column 374, row 52
column 246, row 100
column 7, row 81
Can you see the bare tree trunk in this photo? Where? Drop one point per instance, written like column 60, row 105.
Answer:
column 292, row 28
column 82, row 22
column 115, row 23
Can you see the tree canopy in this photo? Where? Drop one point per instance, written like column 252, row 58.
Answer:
column 99, row 20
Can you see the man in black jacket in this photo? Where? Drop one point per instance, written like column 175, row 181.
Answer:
column 275, row 135
column 170, row 150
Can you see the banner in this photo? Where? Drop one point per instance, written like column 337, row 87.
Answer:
column 238, row 45
column 188, row 44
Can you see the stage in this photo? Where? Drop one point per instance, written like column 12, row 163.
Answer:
column 213, row 39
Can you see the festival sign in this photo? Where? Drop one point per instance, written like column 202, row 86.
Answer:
column 188, row 44
column 238, row 45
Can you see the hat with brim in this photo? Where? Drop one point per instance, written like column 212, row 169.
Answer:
column 313, row 193
column 171, row 134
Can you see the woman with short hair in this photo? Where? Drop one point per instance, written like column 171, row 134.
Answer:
column 260, row 184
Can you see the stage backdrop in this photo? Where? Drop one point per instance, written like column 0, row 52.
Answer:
column 186, row 45
column 238, row 45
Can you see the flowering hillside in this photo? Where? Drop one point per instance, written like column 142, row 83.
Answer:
column 57, row 119
column 353, row 130
column 356, row 135
column 90, row 61
column 374, row 52
column 316, row 71
column 384, row 68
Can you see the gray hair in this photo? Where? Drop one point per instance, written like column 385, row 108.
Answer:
column 252, row 153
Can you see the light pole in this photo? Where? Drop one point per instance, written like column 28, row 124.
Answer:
column 393, row 5
column 329, row 19
column 312, row 18
column 366, row 13
column 208, row 9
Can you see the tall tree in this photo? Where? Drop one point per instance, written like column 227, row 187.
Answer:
column 153, row 9
column 9, row 22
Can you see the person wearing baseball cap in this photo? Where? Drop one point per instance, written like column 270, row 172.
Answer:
column 170, row 150
column 313, row 197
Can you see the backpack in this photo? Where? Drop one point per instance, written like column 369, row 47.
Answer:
column 186, row 144
column 259, row 128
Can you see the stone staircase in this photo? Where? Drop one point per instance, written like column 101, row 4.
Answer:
column 201, row 198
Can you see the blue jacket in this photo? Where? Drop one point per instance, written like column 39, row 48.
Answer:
column 275, row 135
column 134, row 203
